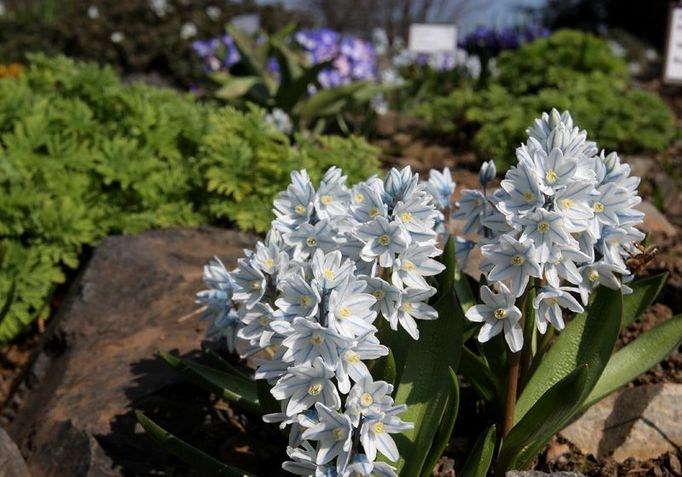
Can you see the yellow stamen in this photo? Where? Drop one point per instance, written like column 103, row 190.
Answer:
column 315, row 389
column 517, row 260
column 500, row 313
column 384, row 240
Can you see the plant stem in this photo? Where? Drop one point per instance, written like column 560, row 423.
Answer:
column 513, row 381
column 512, row 386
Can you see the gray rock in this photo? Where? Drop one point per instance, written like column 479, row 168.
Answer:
column 643, row 422
column 11, row 462
column 79, row 420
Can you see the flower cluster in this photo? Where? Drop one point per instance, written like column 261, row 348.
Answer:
column 490, row 42
column 353, row 59
column 217, row 53
column 337, row 259
column 564, row 217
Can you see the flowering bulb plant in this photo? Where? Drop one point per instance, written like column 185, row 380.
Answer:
column 358, row 315
column 309, row 75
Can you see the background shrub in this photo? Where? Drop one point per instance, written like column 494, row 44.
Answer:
column 580, row 74
column 83, row 156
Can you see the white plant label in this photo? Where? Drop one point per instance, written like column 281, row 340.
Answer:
column 431, row 38
column 673, row 59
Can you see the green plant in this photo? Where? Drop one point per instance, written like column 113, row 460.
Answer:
column 556, row 61
column 362, row 366
column 83, row 156
column 287, row 84
column 593, row 87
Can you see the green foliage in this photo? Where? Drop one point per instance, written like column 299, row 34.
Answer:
column 554, row 73
column 578, row 369
column 83, row 156
column 557, row 61
column 200, row 461
column 251, row 82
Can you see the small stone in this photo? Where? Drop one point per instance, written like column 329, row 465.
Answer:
column 11, row 462
column 642, row 422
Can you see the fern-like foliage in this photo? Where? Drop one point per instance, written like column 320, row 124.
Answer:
column 83, row 156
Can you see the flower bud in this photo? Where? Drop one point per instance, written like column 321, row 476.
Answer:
column 487, row 173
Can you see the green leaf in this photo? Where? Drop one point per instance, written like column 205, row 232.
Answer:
column 268, row 404
column 216, row 361
column 481, row 455
column 447, row 424
column 476, row 372
column 637, row 357
column 446, row 281
column 544, row 419
column 199, row 460
column 384, row 368
column 589, row 338
column 238, row 389
column 236, row 87
column 327, row 102
column 424, row 385
column 290, row 95
column 644, row 292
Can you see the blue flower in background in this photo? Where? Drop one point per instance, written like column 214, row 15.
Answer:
column 489, row 41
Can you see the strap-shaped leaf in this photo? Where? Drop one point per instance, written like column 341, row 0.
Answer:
column 477, row 373
column 268, row 403
column 383, row 369
column 424, row 385
column 644, row 292
column 549, row 415
column 481, row 455
column 587, row 339
column 236, row 86
column 447, row 424
column 214, row 360
column 199, row 460
column 235, row 388
column 638, row 357
column 289, row 96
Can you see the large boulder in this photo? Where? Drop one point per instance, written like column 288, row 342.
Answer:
column 79, row 420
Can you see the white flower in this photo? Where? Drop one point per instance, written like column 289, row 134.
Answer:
column 160, row 7
column 546, row 230
column 298, row 298
column 368, row 397
column 366, row 202
column 512, row 260
column 302, row 460
column 250, row 283
column 350, row 312
column 213, row 13
column 333, row 196
column 549, row 303
column 117, row 37
column 308, row 341
column 598, row 273
column 498, row 312
column 383, row 239
column 412, row 307
column 361, row 466
column 256, row 322
column 523, row 189
column 306, row 385
column 188, row 30
column 351, row 364
column 328, row 269
column 294, row 205
column 441, row 186
column 413, row 264
column 487, row 173
column 334, row 432
column 387, row 296
column 93, row 12
column 470, row 207
column 307, row 238
column 376, row 431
